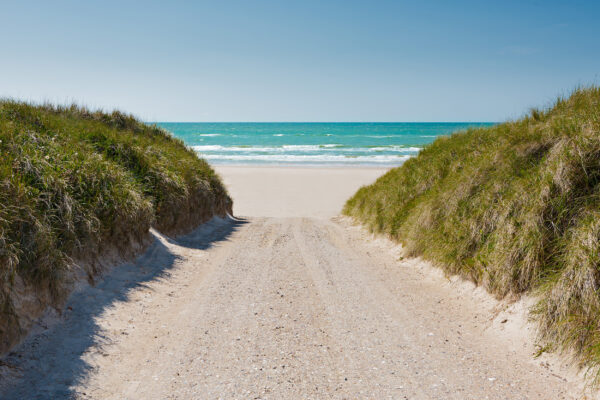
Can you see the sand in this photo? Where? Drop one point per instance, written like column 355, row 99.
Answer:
column 294, row 192
column 282, row 303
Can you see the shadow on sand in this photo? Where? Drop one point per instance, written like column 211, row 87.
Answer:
column 49, row 362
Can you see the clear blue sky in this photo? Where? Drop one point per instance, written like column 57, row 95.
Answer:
column 302, row 60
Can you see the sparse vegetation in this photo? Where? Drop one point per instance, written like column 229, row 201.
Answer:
column 76, row 185
column 515, row 208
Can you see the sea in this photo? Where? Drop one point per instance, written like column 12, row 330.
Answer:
column 310, row 144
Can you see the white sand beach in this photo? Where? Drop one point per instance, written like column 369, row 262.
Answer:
column 293, row 191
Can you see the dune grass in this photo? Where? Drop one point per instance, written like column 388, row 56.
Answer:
column 515, row 208
column 75, row 185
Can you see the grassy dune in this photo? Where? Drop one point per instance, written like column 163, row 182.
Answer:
column 515, row 208
column 77, row 186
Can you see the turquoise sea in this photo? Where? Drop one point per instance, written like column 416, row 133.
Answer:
column 323, row 144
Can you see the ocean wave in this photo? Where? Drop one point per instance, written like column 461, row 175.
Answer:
column 211, row 134
column 305, row 148
column 300, row 147
column 216, row 147
column 308, row 159
column 394, row 148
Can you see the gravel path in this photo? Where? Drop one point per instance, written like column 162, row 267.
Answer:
column 273, row 308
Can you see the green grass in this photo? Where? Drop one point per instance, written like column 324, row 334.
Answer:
column 515, row 208
column 76, row 184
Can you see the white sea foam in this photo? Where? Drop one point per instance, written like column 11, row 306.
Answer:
column 305, row 148
column 219, row 148
column 209, row 134
column 395, row 148
column 308, row 159
column 323, row 154
column 208, row 148
column 300, row 147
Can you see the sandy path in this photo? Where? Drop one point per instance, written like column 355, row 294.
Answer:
column 279, row 305
column 275, row 308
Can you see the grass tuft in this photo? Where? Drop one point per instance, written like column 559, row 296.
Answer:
column 515, row 208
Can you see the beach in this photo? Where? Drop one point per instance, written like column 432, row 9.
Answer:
column 286, row 300
column 315, row 192
column 300, row 200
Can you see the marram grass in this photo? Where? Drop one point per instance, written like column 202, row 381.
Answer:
column 515, row 208
column 75, row 185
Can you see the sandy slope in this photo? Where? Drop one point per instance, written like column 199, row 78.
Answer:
column 277, row 307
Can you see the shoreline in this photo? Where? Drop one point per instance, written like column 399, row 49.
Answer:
column 304, row 166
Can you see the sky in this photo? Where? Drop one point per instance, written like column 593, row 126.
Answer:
column 300, row 60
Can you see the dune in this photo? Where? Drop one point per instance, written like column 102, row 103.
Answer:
column 514, row 208
column 79, row 192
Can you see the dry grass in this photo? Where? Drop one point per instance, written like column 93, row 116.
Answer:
column 515, row 208
column 76, row 184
